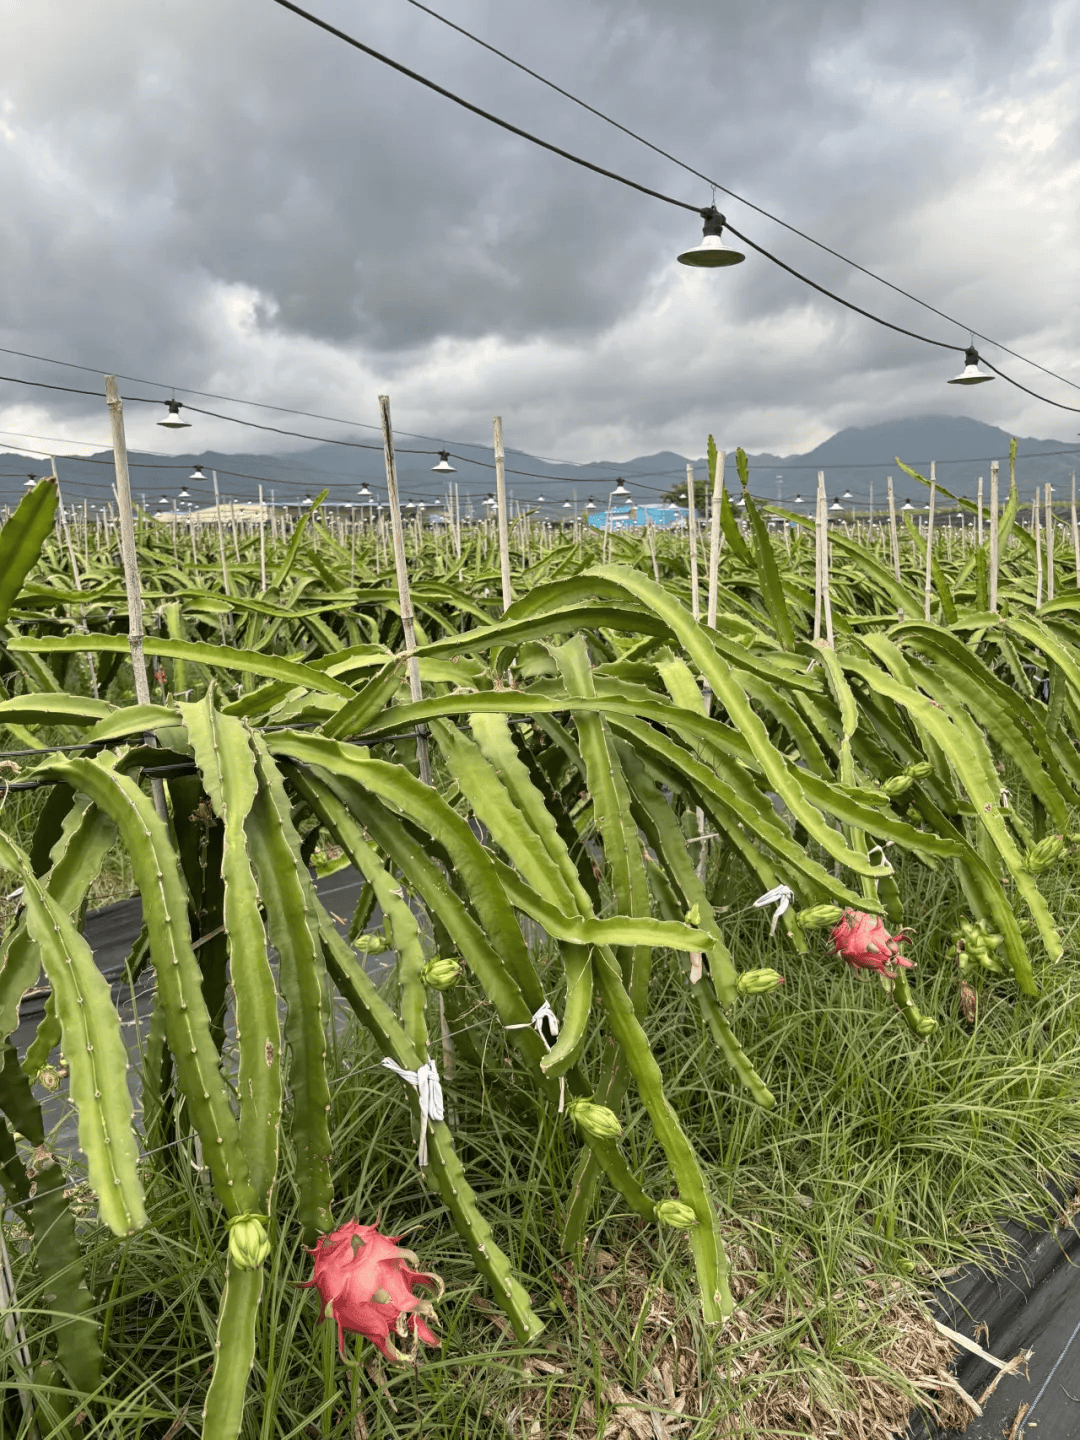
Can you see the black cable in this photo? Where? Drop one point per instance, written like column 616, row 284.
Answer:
column 899, row 290
column 644, row 190
column 1074, row 408
column 476, row 110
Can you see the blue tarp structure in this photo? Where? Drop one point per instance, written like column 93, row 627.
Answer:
column 663, row 517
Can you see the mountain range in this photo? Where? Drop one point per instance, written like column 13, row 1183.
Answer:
column 853, row 460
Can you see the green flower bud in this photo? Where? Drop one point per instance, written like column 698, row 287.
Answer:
column 758, row 982
column 1040, row 857
column 48, row 1077
column 906, row 1267
column 925, row 1025
column 820, row 917
column 896, row 785
column 919, row 770
column 596, row 1120
column 248, row 1245
column 440, row 974
column 677, row 1214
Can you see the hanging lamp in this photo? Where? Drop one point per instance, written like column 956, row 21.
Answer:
column 185, row 494
column 971, row 374
column 590, row 504
column 836, row 505
column 172, row 420
column 197, row 474
column 364, row 492
column 711, row 251
column 444, row 467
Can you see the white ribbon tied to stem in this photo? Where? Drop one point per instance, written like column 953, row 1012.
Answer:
column 546, row 1022
column 428, row 1087
column 781, row 897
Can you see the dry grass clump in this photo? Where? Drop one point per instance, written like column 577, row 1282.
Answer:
column 752, row 1381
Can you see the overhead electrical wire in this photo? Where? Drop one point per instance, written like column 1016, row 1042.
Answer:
column 742, row 200
column 411, row 74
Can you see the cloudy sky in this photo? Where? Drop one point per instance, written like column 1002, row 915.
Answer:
column 221, row 197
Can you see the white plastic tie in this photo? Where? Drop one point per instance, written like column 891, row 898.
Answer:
column 545, row 1022
column 425, row 1082
column 781, row 897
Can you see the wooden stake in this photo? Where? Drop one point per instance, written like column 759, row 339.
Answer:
column 929, row 545
column 1036, row 530
column 1075, row 533
column 691, row 526
column 416, row 692
column 994, row 536
column 221, row 536
column 130, row 559
column 1049, row 543
column 980, row 536
column 262, row 543
column 894, row 538
column 820, row 520
column 503, row 518
column 716, row 537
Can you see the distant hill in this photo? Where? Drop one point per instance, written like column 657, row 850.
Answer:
column 853, row 459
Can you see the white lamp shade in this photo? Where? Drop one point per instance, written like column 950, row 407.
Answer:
column 444, row 467
column 971, row 374
column 172, row 420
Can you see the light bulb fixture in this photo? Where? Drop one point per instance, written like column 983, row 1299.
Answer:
column 172, row 420
column 364, row 492
column 620, row 489
column 710, row 251
column 185, row 494
column 566, row 505
column 444, row 467
column 307, row 500
column 907, row 505
column 29, row 482
column 197, row 474
column 798, row 500
column 590, row 504
column 490, row 500
column 971, row 374
column 540, row 500
column 836, row 505
column 164, row 500
column 847, row 495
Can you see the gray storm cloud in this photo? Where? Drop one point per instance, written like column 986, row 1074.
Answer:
column 223, row 197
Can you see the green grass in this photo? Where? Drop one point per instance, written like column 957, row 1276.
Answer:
column 885, row 1160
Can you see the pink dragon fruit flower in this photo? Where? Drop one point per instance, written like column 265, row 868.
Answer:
column 366, row 1287
column 863, row 942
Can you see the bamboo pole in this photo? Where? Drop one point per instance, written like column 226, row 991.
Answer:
column 927, row 586
column 1036, row 530
column 501, row 515
column 980, row 537
column 994, row 536
column 691, row 527
column 416, row 692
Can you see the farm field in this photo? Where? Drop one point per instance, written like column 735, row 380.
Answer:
column 730, row 880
